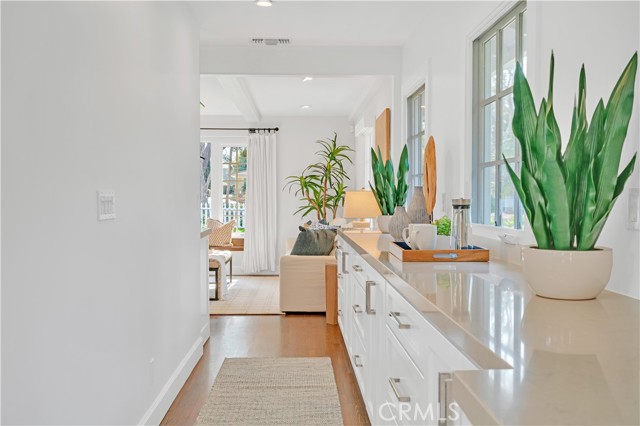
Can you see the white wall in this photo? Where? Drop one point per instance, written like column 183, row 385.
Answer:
column 100, row 320
column 603, row 35
column 380, row 97
column 295, row 150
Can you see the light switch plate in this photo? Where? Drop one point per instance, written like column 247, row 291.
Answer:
column 633, row 222
column 106, row 205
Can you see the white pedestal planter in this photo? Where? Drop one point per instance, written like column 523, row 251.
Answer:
column 383, row 223
column 567, row 274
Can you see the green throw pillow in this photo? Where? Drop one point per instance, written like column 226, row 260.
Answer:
column 314, row 242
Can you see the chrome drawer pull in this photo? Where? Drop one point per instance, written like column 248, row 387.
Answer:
column 393, row 381
column 443, row 397
column 344, row 262
column 356, row 359
column 357, row 309
column 367, row 305
column 401, row 324
column 357, row 268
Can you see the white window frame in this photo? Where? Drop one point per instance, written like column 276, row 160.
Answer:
column 415, row 140
column 217, row 144
column 478, row 103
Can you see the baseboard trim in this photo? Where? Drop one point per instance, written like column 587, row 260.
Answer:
column 169, row 391
column 205, row 332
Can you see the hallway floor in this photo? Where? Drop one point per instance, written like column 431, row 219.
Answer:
column 295, row 335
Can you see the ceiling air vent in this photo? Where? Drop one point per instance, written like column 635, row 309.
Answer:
column 270, row 41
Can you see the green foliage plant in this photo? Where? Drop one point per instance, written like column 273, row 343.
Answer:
column 321, row 186
column 389, row 190
column 568, row 196
column 444, row 225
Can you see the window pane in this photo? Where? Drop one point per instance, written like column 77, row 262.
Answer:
column 234, row 154
column 490, row 67
column 490, row 132
column 508, row 54
column 242, row 160
column 226, row 154
column 508, row 140
column 524, row 41
column 489, row 196
column 507, row 199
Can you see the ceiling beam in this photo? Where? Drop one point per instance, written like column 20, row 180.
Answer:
column 238, row 90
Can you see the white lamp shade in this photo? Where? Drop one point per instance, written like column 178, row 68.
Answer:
column 360, row 205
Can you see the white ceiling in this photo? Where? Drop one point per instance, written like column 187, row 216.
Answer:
column 310, row 23
column 306, row 23
column 216, row 101
column 284, row 95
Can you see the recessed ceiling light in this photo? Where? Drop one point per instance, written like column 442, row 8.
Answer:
column 264, row 3
column 307, row 78
column 305, row 106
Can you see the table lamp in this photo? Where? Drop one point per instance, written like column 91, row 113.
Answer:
column 360, row 205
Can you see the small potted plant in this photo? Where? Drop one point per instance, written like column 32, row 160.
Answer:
column 568, row 196
column 321, row 186
column 389, row 192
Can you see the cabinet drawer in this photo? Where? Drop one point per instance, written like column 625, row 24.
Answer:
column 419, row 338
column 406, row 394
column 360, row 323
column 359, row 362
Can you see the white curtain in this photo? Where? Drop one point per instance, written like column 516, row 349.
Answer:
column 260, row 234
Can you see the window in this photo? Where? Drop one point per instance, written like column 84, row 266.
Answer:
column 416, row 140
column 234, row 185
column 495, row 56
column 205, row 182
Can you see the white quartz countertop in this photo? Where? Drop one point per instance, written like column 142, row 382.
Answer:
column 540, row 361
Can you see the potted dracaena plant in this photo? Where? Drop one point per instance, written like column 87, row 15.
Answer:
column 390, row 194
column 568, row 196
column 321, row 186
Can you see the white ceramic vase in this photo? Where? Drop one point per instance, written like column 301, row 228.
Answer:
column 567, row 274
column 383, row 222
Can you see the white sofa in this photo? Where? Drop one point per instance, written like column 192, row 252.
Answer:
column 302, row 281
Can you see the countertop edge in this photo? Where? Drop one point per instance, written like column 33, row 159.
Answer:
column 472, row 348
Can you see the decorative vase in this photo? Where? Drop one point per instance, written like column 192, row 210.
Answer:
column 383, row 222
column 567, row 274
column 399, row 221
column 418, row 208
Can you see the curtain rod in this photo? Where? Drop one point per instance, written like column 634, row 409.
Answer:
column 250, row 129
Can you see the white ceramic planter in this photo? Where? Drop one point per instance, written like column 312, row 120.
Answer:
column 383, row 223
column 567, row 274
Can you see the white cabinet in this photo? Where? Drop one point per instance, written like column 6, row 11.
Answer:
column 401, row 361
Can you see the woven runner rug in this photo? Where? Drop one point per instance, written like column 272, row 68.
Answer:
column 273, row 391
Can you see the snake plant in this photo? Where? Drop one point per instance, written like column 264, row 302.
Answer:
column 568, row 197
column 388, row 194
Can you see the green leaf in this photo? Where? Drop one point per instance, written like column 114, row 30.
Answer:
column 539, row 224
column 524, row 117
column 573, row 158
column 521, row 193
column 618, row 113
column 555, row 193
column 622, row 179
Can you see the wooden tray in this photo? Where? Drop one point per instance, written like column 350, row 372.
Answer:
column 403, row 252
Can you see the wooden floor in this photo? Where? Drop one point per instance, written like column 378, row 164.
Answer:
column 268, row 336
